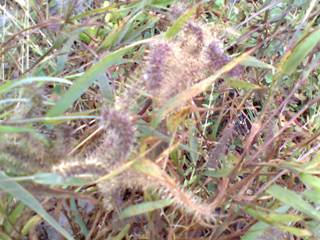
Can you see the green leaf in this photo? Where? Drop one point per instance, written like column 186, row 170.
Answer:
column 63, row 53
column 314, row 227
column 223, row 172
column 313, row 165
column 144, row 208
column 256, row 231
column 105, row 87
column 294, row 200
column 293, row 58
column 4, row 236
column 296, row 231
column 260, row 228
column 312, row 196
column 78, row 218
column 47, row 178
column 13, row 217
column 8, row 85
column 311, row 181
column 135, row 33
column 21, row 194
column 254, row 62
column 193, row 142
column 236, row 83
column 31, row 223
column 272, row 217
column 229, row 161
column 121, row 235
column 88, row 78
column 11, row 129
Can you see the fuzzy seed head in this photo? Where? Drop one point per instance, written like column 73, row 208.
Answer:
column 118, row 138
column 89, row 167
column 156, row 67
column 217, row 59
column 193, row 38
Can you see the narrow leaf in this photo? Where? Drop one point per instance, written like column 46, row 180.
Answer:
column 8, row 85
column 254, row 62
column 293, row 58
column 144, row 208
column 88, row 78
column 272, row 217
column 294, row 200
column 11, row 129
column 31, row 223
column 21, row 194
column 296, row 231
column 236, row 83
column 311, row 181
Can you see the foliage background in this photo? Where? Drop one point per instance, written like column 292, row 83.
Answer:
column 245, row 148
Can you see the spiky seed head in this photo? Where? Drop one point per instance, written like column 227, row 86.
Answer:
column 237, row 71
column 217, row 59
column 192, row 38
column 111, row 188
column 156, row 68
column 89, row 167
column 118, row 138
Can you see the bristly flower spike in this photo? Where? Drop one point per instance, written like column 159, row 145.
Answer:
column 114, row 149
column 119, row 136
column 156, row 65
column 217, row 59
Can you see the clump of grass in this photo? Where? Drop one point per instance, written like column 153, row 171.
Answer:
column 240, row 158
column 176, row 65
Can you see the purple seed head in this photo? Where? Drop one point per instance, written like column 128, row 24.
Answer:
column 216, row 56
column 155, row 70
column 215, row 50
column 119, row 136
column 217, row 59
column 237, row 71
column 196, row 31
column 177, row 10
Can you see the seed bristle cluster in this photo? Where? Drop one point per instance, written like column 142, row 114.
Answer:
column 172, row 66
column 113, row 150
column 186, row 200
column 119, row 136
column 175, row 65
column 89, row 167
column 218, row 59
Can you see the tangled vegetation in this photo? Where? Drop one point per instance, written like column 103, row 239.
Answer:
column 160, row 119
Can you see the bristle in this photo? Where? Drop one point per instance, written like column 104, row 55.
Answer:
column 85, row 168
column 196, row 30
column 113, row 186
column 177, row 9
column 192, row 38
column 118, row 138
column 183, row 199
column 217, row 59
column 156, row 68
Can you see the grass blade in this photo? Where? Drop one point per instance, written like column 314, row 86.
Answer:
column 88, row 78
column 294, row 57
column 294, row 200
column 12, row 84
column 144, row 208
column 21, row 194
